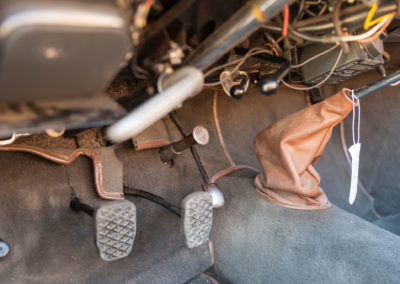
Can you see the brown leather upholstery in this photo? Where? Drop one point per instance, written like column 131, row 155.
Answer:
column 288, row 149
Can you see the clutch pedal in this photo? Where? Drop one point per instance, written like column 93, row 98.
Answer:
column 115, row 227
column 197, row 214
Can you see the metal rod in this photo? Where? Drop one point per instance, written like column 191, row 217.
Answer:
column 169, row 152
column 237, row 28
column 183, row 144
column 377, row 85
column 199, row 135
column 195, row 155
column 77, row 205
column 153, row 198
column 180, row 85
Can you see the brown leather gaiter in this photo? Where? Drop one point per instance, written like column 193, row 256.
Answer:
column 288, row 149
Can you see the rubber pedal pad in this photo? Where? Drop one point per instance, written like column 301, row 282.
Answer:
column 197, row 215
column 115, row 229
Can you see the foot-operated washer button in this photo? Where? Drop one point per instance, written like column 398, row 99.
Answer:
column 4, row 249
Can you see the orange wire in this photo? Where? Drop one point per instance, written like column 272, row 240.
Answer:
column 381, row 30
column 219, row 132
column 149, row 3
column 273, row 48
column 233, row 167
column 285, row 21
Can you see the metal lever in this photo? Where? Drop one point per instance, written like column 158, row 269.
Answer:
column 76, row 205
column 377, row 85
column 199, row 135
column 177, row 87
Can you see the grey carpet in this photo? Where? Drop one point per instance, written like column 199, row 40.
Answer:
column 390, row 223
column 259, row 242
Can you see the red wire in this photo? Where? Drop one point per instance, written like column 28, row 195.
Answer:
column 285, row 21
column 149, row 3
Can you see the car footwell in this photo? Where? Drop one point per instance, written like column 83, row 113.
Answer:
column 254, row 241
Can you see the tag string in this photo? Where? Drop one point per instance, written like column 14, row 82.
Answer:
column 354, row 99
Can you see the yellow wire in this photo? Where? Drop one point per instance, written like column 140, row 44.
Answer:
column 369, row 22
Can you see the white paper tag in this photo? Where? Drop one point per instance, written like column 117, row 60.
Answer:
column 355, row 163
column 355, row 149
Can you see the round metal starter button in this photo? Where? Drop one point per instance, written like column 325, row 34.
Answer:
column 4, row 249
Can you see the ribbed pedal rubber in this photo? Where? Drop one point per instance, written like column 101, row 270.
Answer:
column 115, row 228
column 197, row 214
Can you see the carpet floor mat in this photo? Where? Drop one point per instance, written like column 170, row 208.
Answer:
column 50, row 243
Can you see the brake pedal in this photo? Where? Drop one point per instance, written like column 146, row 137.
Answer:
column 115, row 227
column 197, row 214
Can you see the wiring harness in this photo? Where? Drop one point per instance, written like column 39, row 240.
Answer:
column 340, row 24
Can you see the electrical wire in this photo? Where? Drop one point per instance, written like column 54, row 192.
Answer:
column 351, row 17
column 143, row 9
column 369, row 22
column 209, row 278
column 273, row 44
column 338, row 26
column 309, row 12
column 299, row 12
column 246, row 56
column 273, row 48
column 331, row 39
column 239, row 62
column 323, row 9
column 233, row 167
column 211, row 71
column 315, row 57
column 320, row 83
column 231, row 170
column 381, row 30
column 153, row 198
column 285, row 21
column 253, row 51
column 219, row 132
column 215, row 84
